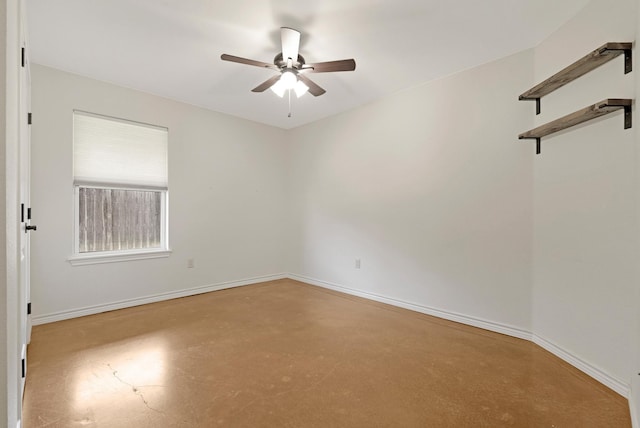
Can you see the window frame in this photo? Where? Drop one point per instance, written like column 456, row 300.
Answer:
column 77, row 258
column 95, row 257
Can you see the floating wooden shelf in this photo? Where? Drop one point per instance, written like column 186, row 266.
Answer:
column 603, row 54
column 598, row 109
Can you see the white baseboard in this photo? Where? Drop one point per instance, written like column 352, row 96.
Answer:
column 448, row 315
column 599, row 375
column 593, row 371
column 96, row 309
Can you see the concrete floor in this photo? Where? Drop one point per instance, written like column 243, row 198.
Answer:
column 286, row 354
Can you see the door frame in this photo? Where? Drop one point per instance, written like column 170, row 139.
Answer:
column 24, row 193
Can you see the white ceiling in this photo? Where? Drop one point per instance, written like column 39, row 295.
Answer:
column 172, row 48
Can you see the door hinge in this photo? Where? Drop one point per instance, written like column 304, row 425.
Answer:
column 23, row 59
column 28, row 213
column 29, row 308
column 29, row 117
column 21, row 213
column 24, row 368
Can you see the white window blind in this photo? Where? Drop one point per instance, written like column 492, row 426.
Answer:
column 114, row 152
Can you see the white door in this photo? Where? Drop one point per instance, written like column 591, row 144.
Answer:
column 25, row 207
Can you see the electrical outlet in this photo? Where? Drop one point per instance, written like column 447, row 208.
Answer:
column 191, row 263
column 357, row 263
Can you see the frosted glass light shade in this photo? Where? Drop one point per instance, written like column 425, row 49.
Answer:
column 300, row 88
column 278, row 88
column 288, row 80
column 115, row 152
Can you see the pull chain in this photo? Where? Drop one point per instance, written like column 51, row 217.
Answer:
column 289, row 91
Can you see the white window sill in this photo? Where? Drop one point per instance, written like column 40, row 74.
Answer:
column 114, row 257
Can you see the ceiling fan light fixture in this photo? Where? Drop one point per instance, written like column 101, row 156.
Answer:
column 288, row 79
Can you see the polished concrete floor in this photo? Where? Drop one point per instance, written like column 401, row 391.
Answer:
column 286, row 354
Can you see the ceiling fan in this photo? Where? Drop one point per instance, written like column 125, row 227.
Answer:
column 292, row 68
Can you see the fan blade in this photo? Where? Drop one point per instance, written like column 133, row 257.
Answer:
column 290, row 43
column 330, row 66
column 266, row 84
column 260, row 64
column 314, row 89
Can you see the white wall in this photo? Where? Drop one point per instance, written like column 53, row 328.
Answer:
column 585, row 213
column 227, row 198
column 431, row 189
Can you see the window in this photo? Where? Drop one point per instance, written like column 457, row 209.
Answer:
column 118, row 219
column 120, row 189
